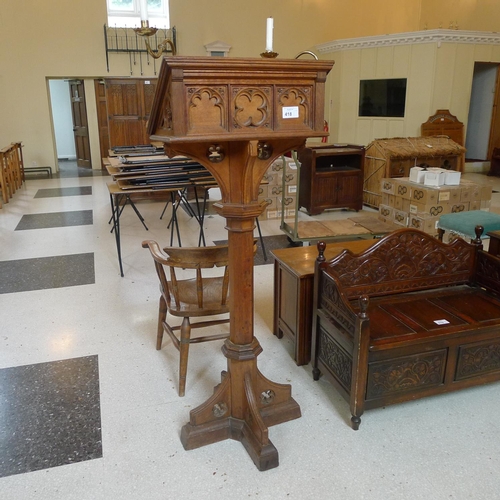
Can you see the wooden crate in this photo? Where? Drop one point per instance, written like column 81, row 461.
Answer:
column 394, row 157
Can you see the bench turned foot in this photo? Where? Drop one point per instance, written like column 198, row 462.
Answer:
column 355, row 421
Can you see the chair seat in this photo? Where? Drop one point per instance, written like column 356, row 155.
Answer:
column 188, row 298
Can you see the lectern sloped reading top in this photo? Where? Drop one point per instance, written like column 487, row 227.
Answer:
column 235, row 116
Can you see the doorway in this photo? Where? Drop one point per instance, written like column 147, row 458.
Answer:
column 69, row 115
column 481, row 125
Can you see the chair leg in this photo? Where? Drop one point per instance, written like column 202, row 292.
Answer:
column 184, row 350
column 162, row 314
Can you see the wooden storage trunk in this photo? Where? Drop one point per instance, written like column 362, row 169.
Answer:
column 394, row 157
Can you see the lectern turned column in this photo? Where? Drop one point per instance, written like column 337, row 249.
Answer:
column 235, row 116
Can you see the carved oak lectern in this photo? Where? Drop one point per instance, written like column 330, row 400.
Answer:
column 235, row 116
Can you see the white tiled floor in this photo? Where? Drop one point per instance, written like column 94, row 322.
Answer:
column 445, row 447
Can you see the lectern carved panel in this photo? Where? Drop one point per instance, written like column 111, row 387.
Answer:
column 298, row 98
column 166, row 124
column 207, row 109
column 252, row 107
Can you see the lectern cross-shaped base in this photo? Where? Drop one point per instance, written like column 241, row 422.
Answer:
column 264, row 403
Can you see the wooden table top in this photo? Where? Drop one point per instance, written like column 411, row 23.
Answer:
column 300, row 260
column 114, row 190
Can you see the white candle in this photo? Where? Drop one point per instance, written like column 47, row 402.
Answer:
column 144, row 9
column 269, row 35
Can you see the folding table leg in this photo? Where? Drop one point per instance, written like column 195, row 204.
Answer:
column 141, row 218
column 173, row 224
column 115, row 216
column 261, row 239
column 164, row 209
column 201, row 214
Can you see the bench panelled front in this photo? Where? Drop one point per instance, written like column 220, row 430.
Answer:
column 409, row 317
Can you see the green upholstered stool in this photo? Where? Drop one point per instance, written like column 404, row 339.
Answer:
column 464, row 223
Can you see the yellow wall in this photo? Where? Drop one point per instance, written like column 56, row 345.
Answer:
column 480, row 15
column 298, row 24
column 439, row 76
column 414, row 62
column 42, row 39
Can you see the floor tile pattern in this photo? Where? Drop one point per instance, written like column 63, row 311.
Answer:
column 55, row 219
column 50, row 415
column 67, row 191
column 69, row 168
column 46, row 272
column 441, row 448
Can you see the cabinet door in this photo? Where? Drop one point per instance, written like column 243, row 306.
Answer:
column 349, row 190
column 287, row 312
column 324, row 194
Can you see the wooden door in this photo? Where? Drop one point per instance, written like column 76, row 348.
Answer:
column 102, row 117
column 494, row 141
column 129, row 103
column 149, row 90
column 80, row 123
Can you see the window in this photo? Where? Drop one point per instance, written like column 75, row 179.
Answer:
column 127, row 13
column 382, row 97
column 218, row 49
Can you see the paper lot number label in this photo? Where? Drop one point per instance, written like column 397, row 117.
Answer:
column 441, row 321
column 290, row 112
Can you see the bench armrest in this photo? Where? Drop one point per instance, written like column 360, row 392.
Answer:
column 487, row 273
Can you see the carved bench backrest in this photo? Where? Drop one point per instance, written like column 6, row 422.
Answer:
column 403, row 261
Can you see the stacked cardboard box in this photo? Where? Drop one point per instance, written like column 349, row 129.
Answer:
column 276, row 193
column 415, row 205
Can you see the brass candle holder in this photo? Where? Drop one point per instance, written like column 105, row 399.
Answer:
column 163, row 47
column 269, row 54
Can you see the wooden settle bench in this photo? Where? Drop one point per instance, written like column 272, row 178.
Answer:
column 409, row 317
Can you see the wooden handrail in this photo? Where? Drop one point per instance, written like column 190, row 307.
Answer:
column 11, row 170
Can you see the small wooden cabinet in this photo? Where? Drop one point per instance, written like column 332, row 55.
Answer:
column 331, row 177
column 294, row 290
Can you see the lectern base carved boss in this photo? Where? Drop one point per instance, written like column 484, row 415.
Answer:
column 236, row 116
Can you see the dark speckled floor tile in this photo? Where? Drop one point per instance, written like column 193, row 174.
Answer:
column 46, row 272
column 51, row 415
column 55, row 219
column 70, row 191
